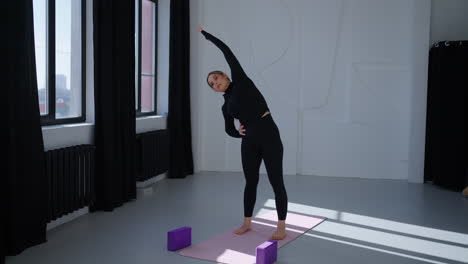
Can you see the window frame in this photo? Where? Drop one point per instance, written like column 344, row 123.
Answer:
column 138, row 112
column 50, row 119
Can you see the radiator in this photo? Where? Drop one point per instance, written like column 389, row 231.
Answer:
column 70, row 175
column 152, row 154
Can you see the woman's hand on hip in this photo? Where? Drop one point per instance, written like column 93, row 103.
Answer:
column 242, row 130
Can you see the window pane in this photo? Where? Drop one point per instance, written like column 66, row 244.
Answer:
column 147, row 96
column 40, row 42
column 147, row 55
column 68, row 58
column 147, row 37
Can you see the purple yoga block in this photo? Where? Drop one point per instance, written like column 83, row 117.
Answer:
column 267, row 252
column 179, row 238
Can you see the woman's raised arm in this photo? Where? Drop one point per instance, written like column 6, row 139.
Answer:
column 236, row 68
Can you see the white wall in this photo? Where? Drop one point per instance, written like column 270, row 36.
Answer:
column 419, row 55
column 340, row 78
column 74, row 134
column 449, row 20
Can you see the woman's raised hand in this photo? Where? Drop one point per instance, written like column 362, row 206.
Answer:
column 242, row 130
column 200, row 28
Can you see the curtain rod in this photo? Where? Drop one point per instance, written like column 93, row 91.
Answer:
column 450, row 43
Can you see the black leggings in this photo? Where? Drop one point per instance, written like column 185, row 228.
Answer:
column 262, row 141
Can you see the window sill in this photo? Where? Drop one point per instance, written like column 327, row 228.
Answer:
column 84, row 124
column 150, row 123
column 150, row 117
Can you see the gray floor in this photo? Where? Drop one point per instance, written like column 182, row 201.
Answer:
column 370, row 221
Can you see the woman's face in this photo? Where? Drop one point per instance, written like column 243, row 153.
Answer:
column 219, row 82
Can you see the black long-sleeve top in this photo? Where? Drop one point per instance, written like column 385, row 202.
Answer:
column 242, row 99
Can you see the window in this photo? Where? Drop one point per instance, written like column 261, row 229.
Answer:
column 59, row 29
column 145, row 57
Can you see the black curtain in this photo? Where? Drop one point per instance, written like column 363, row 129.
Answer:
column 23, row 188
column 178, row 122
column 445, row 153
column 114, row 91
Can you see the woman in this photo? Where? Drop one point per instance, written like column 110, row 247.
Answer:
column 260, row 135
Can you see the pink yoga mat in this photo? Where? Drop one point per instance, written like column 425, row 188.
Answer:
column 231, row 248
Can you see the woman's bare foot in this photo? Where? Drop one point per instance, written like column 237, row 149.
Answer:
column 280, row 233
column 245, row 227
